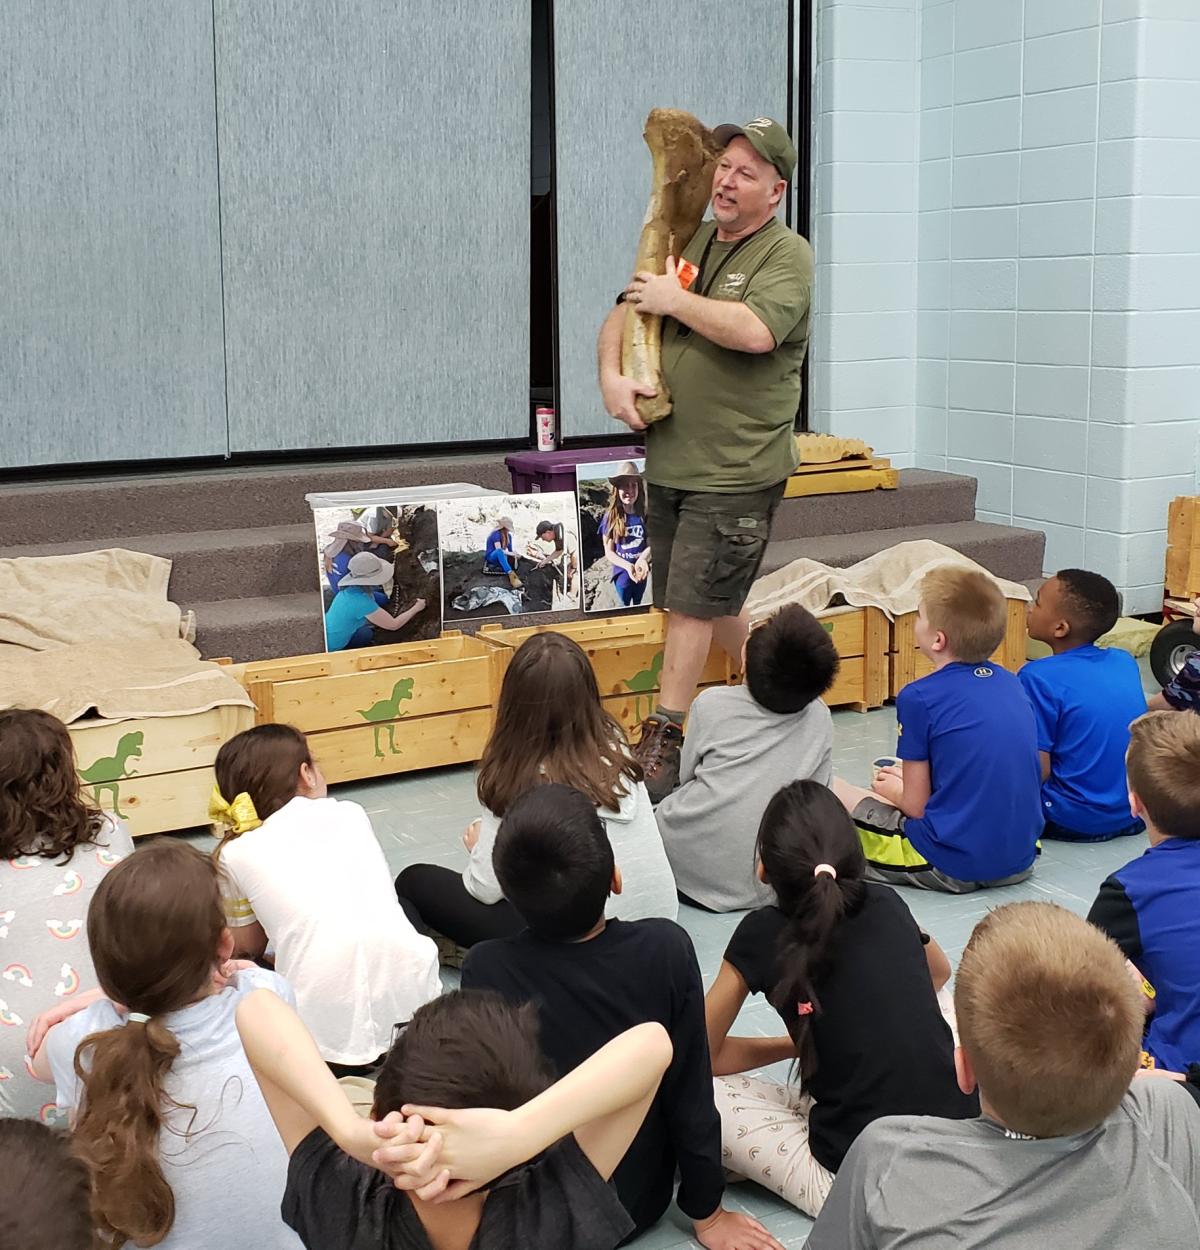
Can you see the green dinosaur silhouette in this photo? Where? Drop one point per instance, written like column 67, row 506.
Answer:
column 108, row 773
column 643, row 683
column 388, row 710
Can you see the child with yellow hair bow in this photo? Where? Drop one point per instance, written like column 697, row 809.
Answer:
column 305, row 873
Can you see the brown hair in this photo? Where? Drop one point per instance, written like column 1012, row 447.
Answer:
column 263, row 762
column 42, row 809
column 467, row 1048
column 154, row 927
column 550, row 726
column 968, row 607
column 44, row 1201
column 1163, row 766
column 614, row 514
column 1049, row 1018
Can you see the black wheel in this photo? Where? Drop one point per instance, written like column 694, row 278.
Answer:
column 1170, row 649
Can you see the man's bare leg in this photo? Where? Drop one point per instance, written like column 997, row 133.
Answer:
column 688, row 642
column 731, row 633
column 850, row 796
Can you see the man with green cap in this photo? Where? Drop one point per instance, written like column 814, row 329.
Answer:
column 735, row 312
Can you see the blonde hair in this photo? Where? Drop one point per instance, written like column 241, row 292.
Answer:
column 1163, row 766
column 1049, row 1018
column 968, row 607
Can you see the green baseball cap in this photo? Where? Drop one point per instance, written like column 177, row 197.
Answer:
column 768, row 138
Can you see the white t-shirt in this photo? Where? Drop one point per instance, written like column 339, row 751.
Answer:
column 315, row 877
column 229, row 1173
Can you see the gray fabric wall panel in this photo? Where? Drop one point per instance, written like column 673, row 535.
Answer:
column 614, row 62
column 375, row 214
column 110, row 301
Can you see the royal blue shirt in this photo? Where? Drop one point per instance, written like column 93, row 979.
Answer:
column 1151, row 909
column 974, row 725
column 348, row 613
column 498, row 541
column 1083, row 701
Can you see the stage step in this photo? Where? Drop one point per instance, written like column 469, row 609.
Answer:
column 1008, row 552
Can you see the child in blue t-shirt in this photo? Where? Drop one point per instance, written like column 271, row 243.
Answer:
column 498, row 553
column 1151, row 907
column 623, row 529
column 1084, row 698
column 963, row 810
column 360, row 605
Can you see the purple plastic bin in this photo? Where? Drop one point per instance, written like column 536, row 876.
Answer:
column 541, row 472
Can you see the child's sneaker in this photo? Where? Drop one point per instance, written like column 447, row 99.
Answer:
column 657, row 751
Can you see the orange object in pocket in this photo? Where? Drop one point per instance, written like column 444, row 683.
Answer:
column 686, row 272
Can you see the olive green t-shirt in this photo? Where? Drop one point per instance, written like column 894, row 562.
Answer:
column 731, row 425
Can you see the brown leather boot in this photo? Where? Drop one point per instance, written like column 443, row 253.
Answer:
column 657, row 751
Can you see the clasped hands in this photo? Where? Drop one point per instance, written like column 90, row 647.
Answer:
column 440, row 1155
column 656, row 294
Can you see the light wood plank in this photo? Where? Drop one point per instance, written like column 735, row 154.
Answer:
column 163, row 744
column 842, row 483
column 162, row 802
column 402, row 746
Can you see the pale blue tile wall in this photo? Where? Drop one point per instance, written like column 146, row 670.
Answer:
column 867, row 96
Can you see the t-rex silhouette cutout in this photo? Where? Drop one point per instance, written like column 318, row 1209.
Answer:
column 388, row 710
column 109, row 772
column 645, row 683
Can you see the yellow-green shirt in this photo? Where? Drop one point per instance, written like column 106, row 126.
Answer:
column 733, row 413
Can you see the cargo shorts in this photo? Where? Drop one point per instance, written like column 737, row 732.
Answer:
column 706, row 547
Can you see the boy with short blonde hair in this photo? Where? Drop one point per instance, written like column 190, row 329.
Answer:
column 1068, row 1143
column 963, row 811
column 1151, row 907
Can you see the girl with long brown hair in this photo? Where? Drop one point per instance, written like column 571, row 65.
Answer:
column 306, row 872
column 167, row 1114
column 55, row 848
column 550, row 727
column 623, row 531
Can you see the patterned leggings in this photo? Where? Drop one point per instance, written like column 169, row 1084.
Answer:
column 764, row 1138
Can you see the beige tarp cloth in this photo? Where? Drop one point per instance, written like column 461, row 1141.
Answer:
column 97, row 631
column 888, row 580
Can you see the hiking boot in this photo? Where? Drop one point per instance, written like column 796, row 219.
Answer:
column 514, row 581
column 657, row 751
column 450, row 954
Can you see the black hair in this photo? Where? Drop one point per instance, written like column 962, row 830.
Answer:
column 467, row 1048
column 554, row 861
column 805, row 825
column 45, row 1203
column 790, row 660
column 543, row 526
column 1090, row 602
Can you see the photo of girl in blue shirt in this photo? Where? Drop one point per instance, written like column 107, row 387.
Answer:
column 623, row 530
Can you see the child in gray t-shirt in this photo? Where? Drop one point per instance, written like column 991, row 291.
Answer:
column 743, row 744
column 1070, row 1150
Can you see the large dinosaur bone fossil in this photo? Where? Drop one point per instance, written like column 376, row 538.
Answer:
column 684, row 154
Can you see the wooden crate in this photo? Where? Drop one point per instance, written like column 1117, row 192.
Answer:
column 907, row 663
column 383, row 710
column 861, row 637
column 155, row 772
column 1183, row 547
column 626, row 653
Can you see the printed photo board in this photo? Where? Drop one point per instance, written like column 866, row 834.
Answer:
column 508, row 555
column 614, row 549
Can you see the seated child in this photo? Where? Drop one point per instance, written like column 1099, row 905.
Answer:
column 1151, row 907
column 842, row 962
column 165, row 1111
column 1084, row 698
column 1067, row 1152
column 360, row 606
column 45, row 1197
column 1182, row 692
column 591, row 979
column 550, row 727
column 743, row 743
column 552, row 1149
column 498, row 554
column 55, row 849
column 306, row 873
column 964, row 810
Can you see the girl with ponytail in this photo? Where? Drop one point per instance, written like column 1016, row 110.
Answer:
column 167, row 1115
column 854, row 981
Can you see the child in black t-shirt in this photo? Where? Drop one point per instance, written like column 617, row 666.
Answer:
column 841, row 961
column 591, row 979
column 525, row 1165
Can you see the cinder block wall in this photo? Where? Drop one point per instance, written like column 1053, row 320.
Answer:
column 1052, row 205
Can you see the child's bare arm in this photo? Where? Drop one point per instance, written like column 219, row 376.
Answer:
column 1044, row 757
column 939, row 964
column 908, row 788
column 300, row 1091
column 610, row 554
column 603, row 1102
column 737, row 1054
